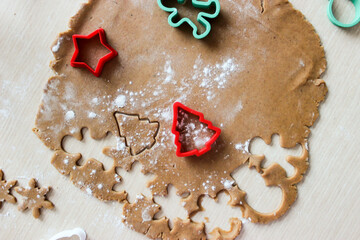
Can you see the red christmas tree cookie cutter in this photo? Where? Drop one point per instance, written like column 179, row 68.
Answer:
column 174, row 130
column 97, row 71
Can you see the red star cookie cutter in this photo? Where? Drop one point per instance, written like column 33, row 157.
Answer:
column 178, row 144
column 102, row 61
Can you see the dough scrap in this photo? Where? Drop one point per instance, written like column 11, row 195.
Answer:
column 90, row 177
column 140, row 217
column 34, row 198
column 235, row 228
column 256, row 74
column 5, row 187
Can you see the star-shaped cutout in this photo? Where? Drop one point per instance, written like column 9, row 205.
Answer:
column 5, row 187
column 75, row 62
column 34, row 198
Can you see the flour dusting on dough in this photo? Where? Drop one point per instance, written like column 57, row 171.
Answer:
column 244, row 147
column 56, row 47
column 146, row 214
column 69, row 115
column 120, row 101
column 92, row 115
column 169, row 72
column 234, row 78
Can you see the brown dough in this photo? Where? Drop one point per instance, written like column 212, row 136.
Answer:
column 5, row 187
column 255, row 75
column 34, row 198
column 235, row 228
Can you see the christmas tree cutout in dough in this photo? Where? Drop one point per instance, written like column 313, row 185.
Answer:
column 139, row 133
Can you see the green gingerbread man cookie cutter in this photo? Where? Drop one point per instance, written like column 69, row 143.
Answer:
column 340, row 24
column 201, row 18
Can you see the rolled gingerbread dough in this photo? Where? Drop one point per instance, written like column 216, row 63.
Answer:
column 255, row 75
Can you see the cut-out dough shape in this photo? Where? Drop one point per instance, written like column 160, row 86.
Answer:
column 257, row 74
column 235, row 228
column 139, row 133
column 91, row 177
column 74, row 234
column 5, row 187
column 34, row 198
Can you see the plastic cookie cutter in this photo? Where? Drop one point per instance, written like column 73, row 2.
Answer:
column 340, row 24
column 201, row 17
column 175, row 130
column 99, row 67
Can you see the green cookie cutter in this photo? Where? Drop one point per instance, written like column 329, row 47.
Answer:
column 340, row 24
column 201, row 18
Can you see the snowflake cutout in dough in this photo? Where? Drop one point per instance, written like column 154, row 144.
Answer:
column 34, row 198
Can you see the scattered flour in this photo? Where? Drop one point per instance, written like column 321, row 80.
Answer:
column 169, row 72
column 120, row 144
column 244, row 147
column 215, row 76
column 166, row 115
column 239, row 106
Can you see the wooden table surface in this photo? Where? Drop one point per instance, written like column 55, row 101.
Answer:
column 328, row 206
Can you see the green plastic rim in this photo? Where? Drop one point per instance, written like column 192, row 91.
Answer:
column 201, row 18
column 340, row 24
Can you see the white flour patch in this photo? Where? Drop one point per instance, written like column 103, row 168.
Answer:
column 302, row 64
column 200, row 142
column 89, row 191
column 56, row 47
column 95, row 101
column 120, row 101
column 244, row 147
column 227, row 183
column 146, row 214
column 169, row 72
column 92, row 115
column 69, row 115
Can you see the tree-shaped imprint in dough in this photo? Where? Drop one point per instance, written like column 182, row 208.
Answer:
column 257, row 74
column 139, row 133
